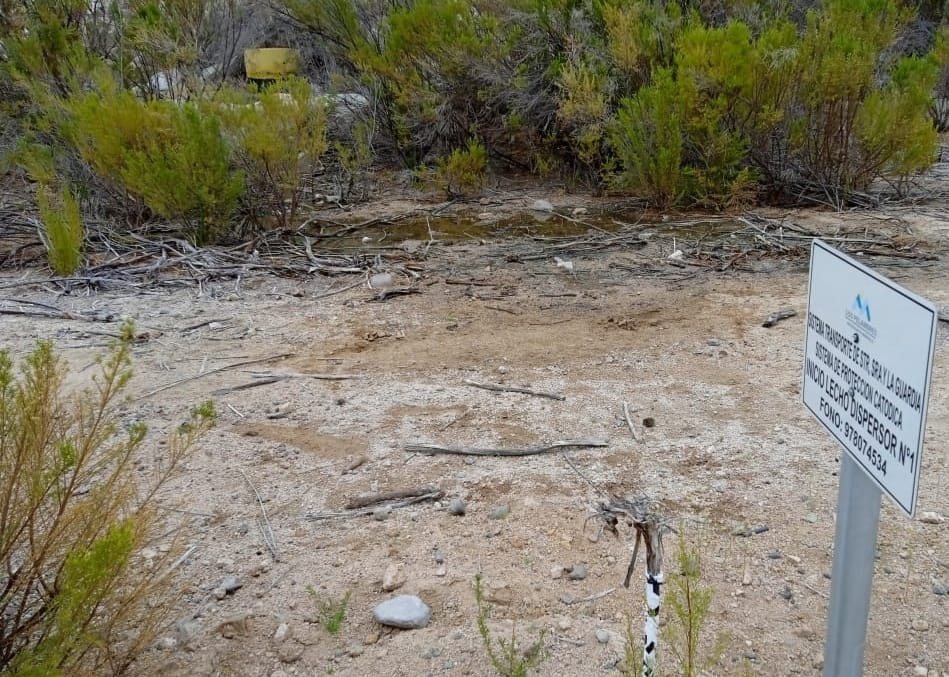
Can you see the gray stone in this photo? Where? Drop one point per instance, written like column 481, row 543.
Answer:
column 456, row 507
column 810, row 517
column 542, row 206
column 404, row 611
column 775, row 554
column 940, row 588
column 929, row 517
column 920, row 625
column 219, row 592
column 392, row 579
column 603, row 636
column 439, row 557
column 432, row 652
column 381, row 513
column 282, row 632
column 230, row 584
column 355, row 650
column 577, row 573
column 500, row 512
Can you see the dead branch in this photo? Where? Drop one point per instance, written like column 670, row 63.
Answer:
column 569, row 599
column 372, row 499
column 213, row 371
column 50, row 311
column 777, row 316
column 361, row 512
column 629, row 421
column 265, row 528
column 497, row 387
column 425, row 448
column 252, row 384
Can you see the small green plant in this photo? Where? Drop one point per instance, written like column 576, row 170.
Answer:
column 63, row 232
column 462, row 172
column 504, row 654
column 632, row 665
column 332, row 611
column 690, row 601
column 74, row 515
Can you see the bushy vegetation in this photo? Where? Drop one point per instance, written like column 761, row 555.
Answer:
column 74, row 517
column 683, row 103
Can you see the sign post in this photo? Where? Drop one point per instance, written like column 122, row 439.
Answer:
column 867, row 367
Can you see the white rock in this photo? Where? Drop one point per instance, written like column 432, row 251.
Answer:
column 563, row 263
column 283, row 630
column 931, row 518
column 405, row 611
column 381, row 281
column 542, row 206
column 393, row 578
column 677, row 255
column 921, row 670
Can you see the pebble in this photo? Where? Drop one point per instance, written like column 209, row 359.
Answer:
column 940, row 588
column 810, row 518
column 649, row 422
column 457, row 507
column 775, row 554
column 500, row 512
column 542, row 206
column 283, row 630
column 564, row 624
column 921, row 670
column 713, row 342
column 577, row 572
column 381, row 513
column 439, row 557
column 931, row 518
column 919, row 625
column 393, row 578
column 381, row 281
column 355, row 650
column 432, row 652
column 166, row 643
column 603, row 636
column 441, row 571
column 404, row 611
column 219, row 593
column 556, row 572
column 230, row 584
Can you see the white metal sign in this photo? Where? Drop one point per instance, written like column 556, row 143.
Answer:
column 867, row 367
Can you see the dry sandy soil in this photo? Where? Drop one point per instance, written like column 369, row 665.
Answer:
column 732, row 447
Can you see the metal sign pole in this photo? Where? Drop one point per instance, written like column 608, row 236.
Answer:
column 858, row 517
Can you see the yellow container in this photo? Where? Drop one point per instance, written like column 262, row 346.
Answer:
column 270, row 63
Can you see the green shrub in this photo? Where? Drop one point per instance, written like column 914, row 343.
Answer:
column 332, row 611
column 649, row 142
column 172, row 157
column 63, row 232
column 689, row 600
column 463, row 171
column 279, row 141
column 73, row 515
column 506, row 657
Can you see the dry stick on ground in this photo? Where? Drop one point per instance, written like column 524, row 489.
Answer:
column 213, row 371
column 267, row 379
column 372, row 499
column 51, row 311
column 265, row 527
column 497, row 387
column 777, row 316
column 629, row 421
column 362, row 512
column 425, row 448
column 568, row 599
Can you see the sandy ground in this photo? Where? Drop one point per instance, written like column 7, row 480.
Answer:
column 732, row 447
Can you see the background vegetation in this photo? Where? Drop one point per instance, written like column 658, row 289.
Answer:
column 138, row 109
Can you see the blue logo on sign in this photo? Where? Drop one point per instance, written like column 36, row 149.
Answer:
column 862, row 307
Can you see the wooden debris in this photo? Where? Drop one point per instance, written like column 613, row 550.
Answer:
column 424, row 448
column 362, row 512
column 265, row 528
column 387, row 496
column 213, row 371
column 778, row 316
column 570, row 599
column 629, row 421
column 498, row 387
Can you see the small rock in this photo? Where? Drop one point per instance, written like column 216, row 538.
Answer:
column 166, row 643
column 149, row 554
column 500, row 512
column 746, row 575
column 603, row 636
column 283, row 630
column 230, row 584
column 556, row 572
column 542, row 206
column 579, row 211
column 713, row 342
column 219, row 593
column 786, row 593
column 393, row 578
column 381, row 513
column 441, row 571
column 577, row 572
column 456, row 507
column 432, row 652
column 502, row 369
column 810, row 518
column 921, row 670
column 404, row 611
column 233, row 625
column 775, row 554
column 290, row 652
column 940, row 588
column 649, row 422
column 381, row 281
column 439, row 557
column 355, row 650
column 931, row 518
column 919, row 625
column 564, row 624
column 186, row 630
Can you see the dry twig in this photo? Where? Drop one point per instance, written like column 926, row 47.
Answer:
column 425, row 448
column 497, row 387
column 265, row 529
